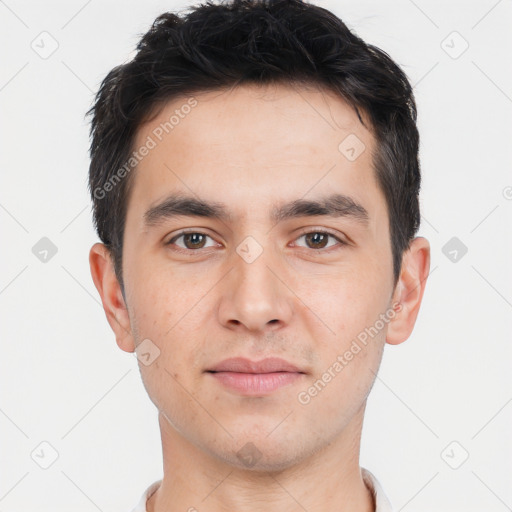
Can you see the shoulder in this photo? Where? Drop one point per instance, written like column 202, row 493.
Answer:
column 141, row 505
column 382, row 503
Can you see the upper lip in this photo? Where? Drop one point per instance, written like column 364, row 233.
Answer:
column 243, row 365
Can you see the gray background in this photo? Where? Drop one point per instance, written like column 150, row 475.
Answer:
column 444, row 394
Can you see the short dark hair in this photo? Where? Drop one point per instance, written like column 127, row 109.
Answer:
column 215, row 46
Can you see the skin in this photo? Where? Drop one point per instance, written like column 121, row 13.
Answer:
column 252, row 147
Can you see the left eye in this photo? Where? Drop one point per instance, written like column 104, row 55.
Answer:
column 318, row 239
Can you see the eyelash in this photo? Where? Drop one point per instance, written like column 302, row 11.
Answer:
column 313, row 231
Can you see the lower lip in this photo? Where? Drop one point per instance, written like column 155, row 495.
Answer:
column 256, row 383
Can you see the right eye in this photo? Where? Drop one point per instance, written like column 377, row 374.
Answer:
column 192, row 240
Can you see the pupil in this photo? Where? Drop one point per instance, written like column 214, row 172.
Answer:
column 194, row 237
column 315, row 239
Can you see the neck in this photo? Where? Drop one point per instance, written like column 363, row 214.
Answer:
column 194, row 481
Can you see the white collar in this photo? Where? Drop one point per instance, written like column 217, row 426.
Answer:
column 382, row 503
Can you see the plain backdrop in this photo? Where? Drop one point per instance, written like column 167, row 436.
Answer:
column 438, row 422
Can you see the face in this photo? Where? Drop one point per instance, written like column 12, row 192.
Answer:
column 258, row 276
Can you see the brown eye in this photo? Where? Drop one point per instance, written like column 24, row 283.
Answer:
column 319, row 239
column 192, row 240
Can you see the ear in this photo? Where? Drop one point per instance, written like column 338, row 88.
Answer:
column 409, row 290
column 105, row 280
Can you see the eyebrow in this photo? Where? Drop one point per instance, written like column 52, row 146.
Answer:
column 334, row 205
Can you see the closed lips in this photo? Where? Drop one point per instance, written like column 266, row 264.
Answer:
column 243, row 365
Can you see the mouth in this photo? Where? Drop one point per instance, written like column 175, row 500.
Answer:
column 243, row 365
column 255, row 378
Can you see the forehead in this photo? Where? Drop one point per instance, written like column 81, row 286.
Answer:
column 249, row 144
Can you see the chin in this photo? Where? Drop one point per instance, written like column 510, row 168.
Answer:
column 260, row 453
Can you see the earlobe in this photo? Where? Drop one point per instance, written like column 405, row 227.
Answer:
column 105, row 280
column 409, row 290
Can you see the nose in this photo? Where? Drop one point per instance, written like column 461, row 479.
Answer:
column 254, row 296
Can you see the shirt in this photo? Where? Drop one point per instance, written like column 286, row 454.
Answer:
column 382, row 503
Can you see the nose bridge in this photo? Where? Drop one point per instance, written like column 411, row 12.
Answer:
column 255, row 296
column 252, row 271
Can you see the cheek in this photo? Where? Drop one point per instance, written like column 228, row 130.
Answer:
column 344, row 302
column 158, row 296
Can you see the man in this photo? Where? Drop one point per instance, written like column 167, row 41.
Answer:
column 255, row 180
